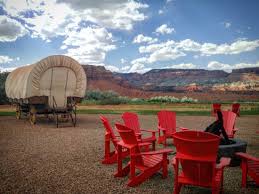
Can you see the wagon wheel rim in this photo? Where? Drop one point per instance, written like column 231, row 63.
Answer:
column 32, row 118
column 18, row 114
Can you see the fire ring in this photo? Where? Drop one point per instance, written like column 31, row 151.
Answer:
column 230, row 150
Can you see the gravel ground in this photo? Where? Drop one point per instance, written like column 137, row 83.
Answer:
column 45, row 159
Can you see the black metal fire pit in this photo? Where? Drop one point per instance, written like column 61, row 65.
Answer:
column 236, row 145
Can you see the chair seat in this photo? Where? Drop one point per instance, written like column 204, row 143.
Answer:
column 152, row 160
column 166, row 125
column 148, row 139
column 193, row 167
column 169, row 135
column 146, row 163
column 185, row 180
column 253, row 169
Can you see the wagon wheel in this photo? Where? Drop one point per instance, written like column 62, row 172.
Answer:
column 56, row 119
column 73, row 115
column 18, row 112
column 65, row 117
column 32, row 116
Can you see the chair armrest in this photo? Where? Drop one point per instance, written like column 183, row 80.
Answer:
column 247, row 156
column 235, row 129
column 223, row 162
column 163, row 151
column 149, row 130
column 144, row 144
column 161, row 128
column 174, row 161
column 183, row 128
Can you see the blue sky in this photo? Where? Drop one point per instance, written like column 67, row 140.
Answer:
column 132, row 36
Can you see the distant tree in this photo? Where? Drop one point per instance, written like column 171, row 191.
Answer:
column 3, row 97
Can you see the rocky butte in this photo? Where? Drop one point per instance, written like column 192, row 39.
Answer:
column 197, row 83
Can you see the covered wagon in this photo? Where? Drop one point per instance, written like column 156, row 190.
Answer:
column 51, row 86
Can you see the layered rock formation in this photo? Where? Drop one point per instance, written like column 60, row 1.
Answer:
column 177, row 82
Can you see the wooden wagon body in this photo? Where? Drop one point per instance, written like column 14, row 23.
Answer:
column 51, row 86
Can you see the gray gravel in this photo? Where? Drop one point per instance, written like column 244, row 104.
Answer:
column 45, row 159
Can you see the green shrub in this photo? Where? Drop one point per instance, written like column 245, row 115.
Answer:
column 104, row 97
column 3, row 97
column 111, row 97
column 170, row 99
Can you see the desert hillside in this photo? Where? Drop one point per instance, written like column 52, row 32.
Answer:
column 196, row 83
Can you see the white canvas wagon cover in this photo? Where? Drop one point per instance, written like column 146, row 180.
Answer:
column 56, row 76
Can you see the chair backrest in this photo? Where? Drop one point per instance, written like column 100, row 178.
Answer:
column 131, row 120
column 129, row 139
column 229, row 119
column 216, row 107
column 235, row 108
column 197, row 153
column 167, row 120
column 108, row 129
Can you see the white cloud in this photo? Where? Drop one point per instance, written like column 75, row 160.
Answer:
column 183, row 66
column 155, row 47
column 90, row 49
column 168, row 1
column 5, row 59
column 139, row 68
column 138, row 65
column 10, row 29
column 160, row 11
column 49, row 19
column 245, row 65
column 215, row 65
column 227, row 24
column 139, row 60
column 165, row 54
column 112, row 68
column 116, row 14
column 125, row 68
column 188, row 45
column 170, row 49
column 123, row 61
column 6, row 63
column 7, row 69
column 229, row 49
column 164, row 29
column 162, row 51
column 141, row 38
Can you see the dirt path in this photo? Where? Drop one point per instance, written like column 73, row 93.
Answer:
column 44, row 159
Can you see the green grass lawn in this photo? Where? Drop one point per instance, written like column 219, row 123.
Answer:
column 151, row 109
column 141, row 112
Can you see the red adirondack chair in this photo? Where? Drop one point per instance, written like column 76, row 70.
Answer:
column 166, row 125
column 110, row 157
column 131, row 120
column 249, row 166
column 196, row 151
column 229, row 119
column 236, row 108
column 148, row 163
column 215, row 107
